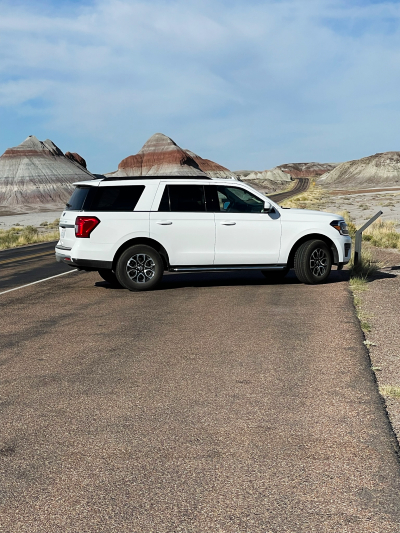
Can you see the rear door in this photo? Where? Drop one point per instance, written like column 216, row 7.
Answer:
column 182, row 224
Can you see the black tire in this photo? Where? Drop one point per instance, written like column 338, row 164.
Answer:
column 109, row 276
column 140, row 268
column 275, row 276
column 312, row 262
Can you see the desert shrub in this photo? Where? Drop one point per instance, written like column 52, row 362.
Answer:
column 18, row 236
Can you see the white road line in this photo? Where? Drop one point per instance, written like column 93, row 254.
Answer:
column 40, row 281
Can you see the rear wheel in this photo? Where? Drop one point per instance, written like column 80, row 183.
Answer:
column 109, row 276
column 312, row 262
column 140, row 268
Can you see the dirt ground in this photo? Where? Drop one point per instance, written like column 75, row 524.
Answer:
column 380, row 304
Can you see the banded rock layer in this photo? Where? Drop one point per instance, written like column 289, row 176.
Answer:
column 379, row 170
column 306, row 170
column 37, row 172
column 161, row 156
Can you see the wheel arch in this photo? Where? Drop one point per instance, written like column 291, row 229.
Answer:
column 310, row 237
column 148, row 242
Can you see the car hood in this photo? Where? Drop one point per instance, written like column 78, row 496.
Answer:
column 294, row 214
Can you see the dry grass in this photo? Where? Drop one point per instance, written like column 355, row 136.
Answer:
column 314, row 198
column 383, row 234
column 18, row 236
column 390, row 391
column 366, row 266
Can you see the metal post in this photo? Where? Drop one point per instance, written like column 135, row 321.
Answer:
column 357, row 245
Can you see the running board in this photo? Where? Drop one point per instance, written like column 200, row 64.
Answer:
column 213, row 268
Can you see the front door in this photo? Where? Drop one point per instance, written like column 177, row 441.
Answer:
column 245, row 234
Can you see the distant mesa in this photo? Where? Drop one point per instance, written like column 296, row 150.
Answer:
column 38, row 173
column 379, row 170
column 279, row 177
column 269, row 180
column 161, row 156
column 307, row 170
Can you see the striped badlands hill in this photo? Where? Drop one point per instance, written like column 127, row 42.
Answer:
column 38, row 173
column 379, row 170
column 161, row 156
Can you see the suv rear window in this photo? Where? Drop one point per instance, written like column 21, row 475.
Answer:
column 75, row 203
column 114, row 198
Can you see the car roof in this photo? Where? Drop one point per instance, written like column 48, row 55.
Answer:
column 125, row 180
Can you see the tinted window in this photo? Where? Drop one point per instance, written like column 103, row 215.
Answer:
column 75, row 203
column 236, row 200
column 115, row 198
column 164, row 204
column 187, row 198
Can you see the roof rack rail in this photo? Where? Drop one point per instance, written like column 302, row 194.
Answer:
column 121, row 178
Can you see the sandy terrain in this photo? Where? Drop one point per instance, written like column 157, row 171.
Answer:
column 27, row 219
column 363, row 205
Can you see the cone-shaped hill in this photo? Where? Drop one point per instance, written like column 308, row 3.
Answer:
column 161, row 156
column 37, row 172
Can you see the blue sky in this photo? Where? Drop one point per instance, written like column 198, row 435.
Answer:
column 249, row 84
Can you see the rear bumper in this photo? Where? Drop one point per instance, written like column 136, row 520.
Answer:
column 82, row 264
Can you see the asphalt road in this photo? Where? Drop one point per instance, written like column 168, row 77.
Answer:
column 28, row 264
column 301, row 185
column 218, row 403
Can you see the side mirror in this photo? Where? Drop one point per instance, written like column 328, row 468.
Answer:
column 267, row 207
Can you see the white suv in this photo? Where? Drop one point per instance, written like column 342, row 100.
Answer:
column 131, row 230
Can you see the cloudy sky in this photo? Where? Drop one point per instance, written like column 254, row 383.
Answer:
column 248, row 83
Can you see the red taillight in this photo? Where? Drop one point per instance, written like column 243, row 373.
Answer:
column 84, row 226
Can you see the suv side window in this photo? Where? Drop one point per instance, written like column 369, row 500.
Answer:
column 188, row 198
column 115, row 198
column 237, row 200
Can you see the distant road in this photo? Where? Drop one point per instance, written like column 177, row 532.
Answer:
column 302, row 184
column 20, row 266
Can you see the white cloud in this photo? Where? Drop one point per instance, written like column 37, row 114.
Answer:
column 247, row 83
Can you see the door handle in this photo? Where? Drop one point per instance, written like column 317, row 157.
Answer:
column 164, row 222
column 228, row 223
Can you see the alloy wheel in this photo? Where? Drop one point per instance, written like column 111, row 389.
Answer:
column 318, row 262
column 141, row 268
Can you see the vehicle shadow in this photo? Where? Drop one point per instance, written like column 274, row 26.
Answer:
column 227, row 279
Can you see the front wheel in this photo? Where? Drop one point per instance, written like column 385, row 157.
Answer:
column 140, row 268
column 312, row 262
